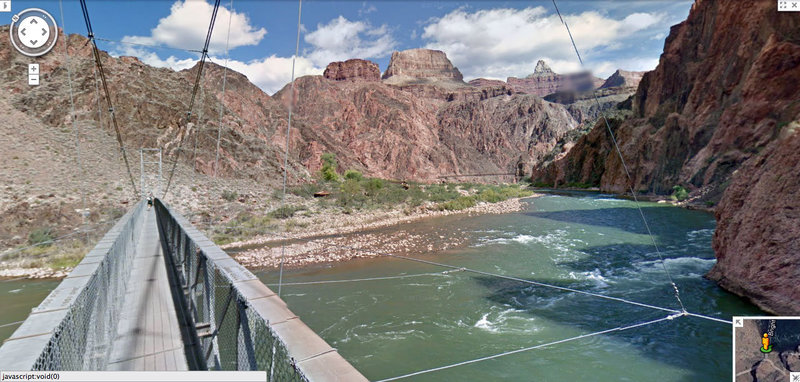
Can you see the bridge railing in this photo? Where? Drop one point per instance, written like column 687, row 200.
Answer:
column 236, row 322
column 74, row 327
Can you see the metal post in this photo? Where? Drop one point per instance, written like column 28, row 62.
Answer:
column 141, row 172
column 160, row 176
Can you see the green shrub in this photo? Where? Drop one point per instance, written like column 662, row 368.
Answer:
column 41, row 236
column 353, row 174
column 328, row 169
column 439, row 193
column 305, row 190
column 349, row 193
column 679, row 193
column 373, row 186
column 459, row 203
column 541, row 184
column 229, row 195
column 285, row 212
column 490, row 196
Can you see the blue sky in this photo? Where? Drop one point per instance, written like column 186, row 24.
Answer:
column 491, row 39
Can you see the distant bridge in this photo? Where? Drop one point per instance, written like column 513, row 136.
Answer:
column 157, row 294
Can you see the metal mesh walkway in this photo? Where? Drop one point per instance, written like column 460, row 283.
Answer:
column 149, row 335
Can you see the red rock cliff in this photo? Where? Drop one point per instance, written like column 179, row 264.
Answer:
column 709, row 117
column 354, row 69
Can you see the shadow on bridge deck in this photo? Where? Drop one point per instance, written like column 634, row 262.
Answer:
column 149, row 335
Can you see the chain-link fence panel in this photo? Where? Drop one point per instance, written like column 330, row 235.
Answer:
column 82, row 313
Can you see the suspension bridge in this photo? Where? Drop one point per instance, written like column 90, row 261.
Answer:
column 156, row 294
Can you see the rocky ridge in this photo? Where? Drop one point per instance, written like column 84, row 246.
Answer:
column 419, row 66
column 544, row 81
column 353, row 69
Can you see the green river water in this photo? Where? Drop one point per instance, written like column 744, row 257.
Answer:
column 586, row 241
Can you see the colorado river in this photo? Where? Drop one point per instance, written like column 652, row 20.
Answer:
column 585, row 241
column 427, row 318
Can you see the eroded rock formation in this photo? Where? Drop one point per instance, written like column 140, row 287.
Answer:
column 623, row 79
column 415, row 66
column 354, row 69
column 544, row 81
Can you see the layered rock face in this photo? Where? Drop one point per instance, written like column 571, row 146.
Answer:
column 479, row 82
column 353, row 70
column 757, row 240
column 419, row 66
column 709, row 117
column 150, row 105
column 544, row 81
column 390, row 132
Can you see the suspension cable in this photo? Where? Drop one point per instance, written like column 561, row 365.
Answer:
column 195, row 134
column 366, row 279
column 462, row 363
column 625, row 166
column 224, row 82
column 75, row 129
column 497, row 275
column 99, row 63
column 203, row 57
column 288, row 130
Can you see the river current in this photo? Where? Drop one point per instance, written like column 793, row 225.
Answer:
column 586, row 241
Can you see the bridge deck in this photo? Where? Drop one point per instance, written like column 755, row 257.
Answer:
column 149, row 335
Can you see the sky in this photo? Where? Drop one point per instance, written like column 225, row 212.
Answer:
column 489, row 39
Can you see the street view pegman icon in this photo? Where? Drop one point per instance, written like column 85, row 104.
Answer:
column 33, row 32
column 765, row 345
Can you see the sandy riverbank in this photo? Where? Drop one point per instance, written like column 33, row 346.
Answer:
column 314, row 243
column 309, row 247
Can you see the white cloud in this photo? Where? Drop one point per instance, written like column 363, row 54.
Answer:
column 337, row 40
column 152, row 59
column 272, row 73
column 503, row 42
column 341, row 39
column 186, row 27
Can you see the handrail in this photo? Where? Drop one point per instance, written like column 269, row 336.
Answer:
column 236, row 322
column 75, row 325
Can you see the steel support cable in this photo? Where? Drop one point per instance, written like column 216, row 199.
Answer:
column 288, row 131
column 81, row 172
column 203, row 57
column 365, row 279
column 462, row 363
column 484, row 273
column 511, row 278
column 624, row 166
column 224, row 82
column 196, row 133
column 98, row 62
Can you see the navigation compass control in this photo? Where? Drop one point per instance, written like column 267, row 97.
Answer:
column 33, row 32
